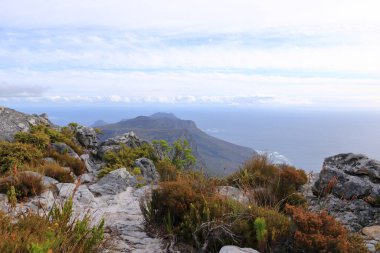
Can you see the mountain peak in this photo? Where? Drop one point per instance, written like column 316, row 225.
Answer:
column 163, row 115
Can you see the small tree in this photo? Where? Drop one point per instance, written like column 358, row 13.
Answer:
column 182, row 155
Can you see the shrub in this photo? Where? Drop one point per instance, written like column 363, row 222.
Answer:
column 56, row 231
column 272, row 185
column 256, row 172
column 64, row 135
column 25, row 183
column 38, row 139
column 319, row 232
column 190, row 208
column 54, row 170
column 14, row 154
column 166, row 170
column 65, row 160
column 126, row 157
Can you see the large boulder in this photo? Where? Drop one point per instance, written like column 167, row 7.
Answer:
column 233, row 193
column 87, row 136
column 129, row 139
column 81, row 195
column 114, row 182
column 148, row 170
column 348, row 187
column 12, row 122
column 349, row 176
column 235, row 249
column 63, row 148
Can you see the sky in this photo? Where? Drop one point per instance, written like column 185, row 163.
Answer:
column 295, row 53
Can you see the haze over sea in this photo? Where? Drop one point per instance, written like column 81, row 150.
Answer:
column 304, row 136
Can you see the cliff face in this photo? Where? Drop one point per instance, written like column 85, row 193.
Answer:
column 12, row 121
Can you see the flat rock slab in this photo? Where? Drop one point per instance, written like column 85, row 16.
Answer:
column 234, row 249
column 372, row 232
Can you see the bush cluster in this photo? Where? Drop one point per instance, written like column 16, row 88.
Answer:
column 65, row 160
column 56, row 231
column 41, row 136
column 125, row 157
column 24, row 183
column 54, row 170
column 190, row 208
column 15, row 154
column 187, row 205
column 319, row 232
column 270, row 184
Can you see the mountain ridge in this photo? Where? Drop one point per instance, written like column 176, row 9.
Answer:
column 215, row 155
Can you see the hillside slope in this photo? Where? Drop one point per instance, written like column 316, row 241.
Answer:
column 215, row 155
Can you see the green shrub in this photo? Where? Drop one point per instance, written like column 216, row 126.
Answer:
column 190, row 208
column 166, row 170
column 15, row 154
column 52, row 232
column 38, row 139
column 126, row 157
column 64, row 135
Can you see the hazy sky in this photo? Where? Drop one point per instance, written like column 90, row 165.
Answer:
column 240, row 52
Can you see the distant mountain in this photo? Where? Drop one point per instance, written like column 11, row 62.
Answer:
column 218, row 157
column 99, row 123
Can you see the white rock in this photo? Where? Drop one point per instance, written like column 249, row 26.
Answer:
column 234, row 249
column 114, row 182
column 233, row 193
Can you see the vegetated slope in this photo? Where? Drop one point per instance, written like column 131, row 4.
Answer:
column 216, row 156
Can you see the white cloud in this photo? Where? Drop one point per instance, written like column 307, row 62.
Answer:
column 296, row 52
column 189, row 14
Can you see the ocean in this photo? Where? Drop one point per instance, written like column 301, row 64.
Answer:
column 304, row 136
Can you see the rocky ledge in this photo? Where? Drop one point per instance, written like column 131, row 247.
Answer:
column 13, row 122
column 348, row 188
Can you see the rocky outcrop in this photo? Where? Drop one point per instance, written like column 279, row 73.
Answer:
column 63, row 148
column 234, row 249
column 12, row 122
column 86, row 136
column 348, row 188
column 114, row 144
column 351, row 177
column 148, row 170
column 114, row 182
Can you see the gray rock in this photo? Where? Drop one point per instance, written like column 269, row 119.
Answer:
column 234, row 249
column 63, row 148
column 44, row 201
column 86, row 136
column 87, row 178
column 114, row 144
column 355, row 176
column 93, row 164
column 148, row 170
column 81, row 197
column 12, row 122
column 48, row 159
column 114, row 182
column 355, row 183
column 233, row 193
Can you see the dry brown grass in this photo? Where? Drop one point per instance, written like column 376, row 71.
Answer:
column 25, row 183
column 76, row 165
column 54, row 170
